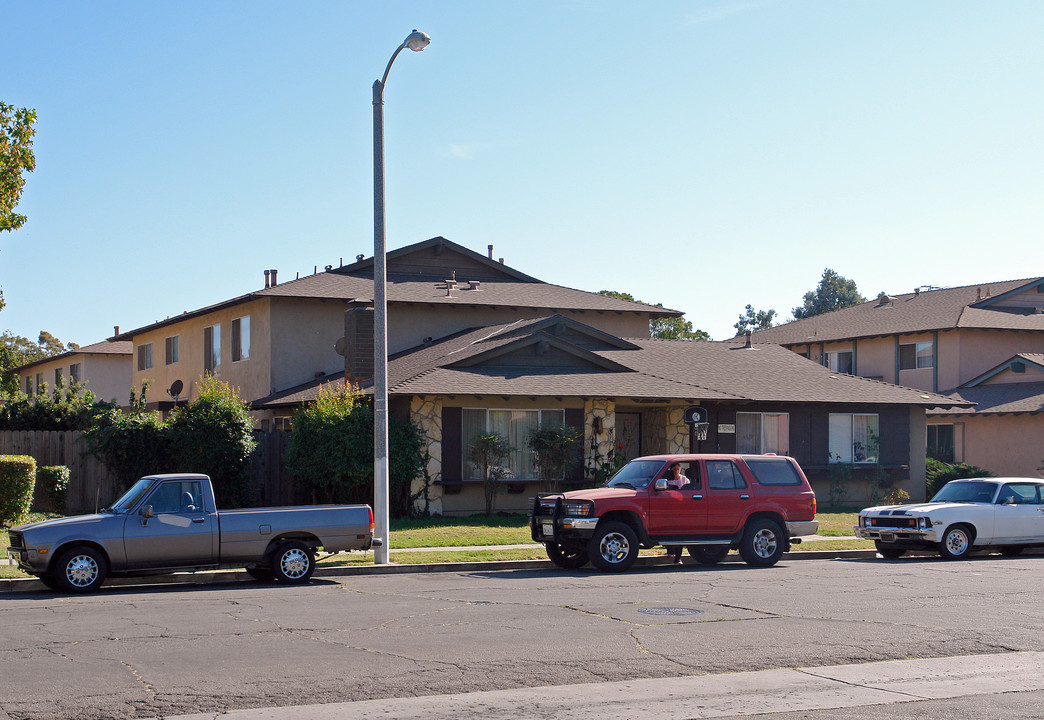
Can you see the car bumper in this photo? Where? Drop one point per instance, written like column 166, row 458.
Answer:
column 21, row 558
column 897, row 536
column 797, row 529
column 552, row 529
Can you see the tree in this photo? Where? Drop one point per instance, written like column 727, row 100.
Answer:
column 16, row 158
column 675, row 328
column 557, row 449
column 490, row 452
column 754, row 320
column 25, row 350
column 833, row 293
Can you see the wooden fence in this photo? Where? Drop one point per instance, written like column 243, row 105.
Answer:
column 91, row 485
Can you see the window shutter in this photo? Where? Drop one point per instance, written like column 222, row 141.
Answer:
column 574, row 417
column 452, row 445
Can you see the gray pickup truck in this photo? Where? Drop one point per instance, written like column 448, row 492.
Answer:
column 170, row 522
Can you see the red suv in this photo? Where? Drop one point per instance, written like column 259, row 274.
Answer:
column 758, row 504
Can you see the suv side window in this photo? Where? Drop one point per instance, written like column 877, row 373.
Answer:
column 724, row 475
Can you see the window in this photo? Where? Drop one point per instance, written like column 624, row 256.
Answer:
column 240, row 339
column 29, row 386
column 914, row 356
column 839, row 361
column 212, row 349
column 58, row 377
column 282, row 423
column 39, row 382
column 724, row 475
column 515, row 425
column 940, row 443
column 174, row 497
column 145, row 357
column 74, row 373
column 853, row 438
column 170, row 349
column 773, row 471
column 759, row 433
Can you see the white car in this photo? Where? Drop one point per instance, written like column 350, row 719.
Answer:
column 977, row 513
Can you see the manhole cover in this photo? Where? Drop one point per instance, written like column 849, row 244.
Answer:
column 670, row 611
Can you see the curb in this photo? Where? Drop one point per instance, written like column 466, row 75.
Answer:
column 215, row 577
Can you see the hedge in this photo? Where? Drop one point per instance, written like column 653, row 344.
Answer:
column 54, row 481
column 17, row 482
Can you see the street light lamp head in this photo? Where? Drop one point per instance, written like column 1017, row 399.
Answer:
column 417, row 41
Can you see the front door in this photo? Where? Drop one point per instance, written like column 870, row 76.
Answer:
column 180, row 533
column 628, row 435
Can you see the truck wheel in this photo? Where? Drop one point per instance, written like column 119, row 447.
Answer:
column 708, row 554
column 613, row 547
column 956, row 542
column 80, row 570
column 762, row 544
column 567, row 557
column 889, row 552
column 293, row 563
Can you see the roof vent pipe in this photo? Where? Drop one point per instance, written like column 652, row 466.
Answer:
column 116, row 328
column 274, row 273
column 749, row 343
column 917, row 291
column 359, row 257
column 267, row 278
column 490, row 249
column 978, row 293
column 501, row 261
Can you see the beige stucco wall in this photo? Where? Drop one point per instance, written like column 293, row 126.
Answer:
column 250, row 375
column 408, row 326
column 875, row 357
column 1006, row 445
column 107, row 376
column 1007, row 377
column 305, row 334
column 982, row 350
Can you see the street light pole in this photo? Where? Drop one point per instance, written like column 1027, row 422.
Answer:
column 416, row 41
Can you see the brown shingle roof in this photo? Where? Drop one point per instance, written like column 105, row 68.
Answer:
column 1002, row 398
column 912, row 313
column 105, row 347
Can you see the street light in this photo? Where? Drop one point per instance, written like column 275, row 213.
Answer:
column 416, row 41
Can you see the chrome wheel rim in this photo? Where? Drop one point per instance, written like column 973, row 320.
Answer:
column 765, row 543
column 614, row 547
column 81, row 570
column 294, row 563
column 957, row 542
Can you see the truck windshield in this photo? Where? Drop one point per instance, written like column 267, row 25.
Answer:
column 966, row 492
column 636, row 474
column 131, row 497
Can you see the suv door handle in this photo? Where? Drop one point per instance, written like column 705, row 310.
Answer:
column 700, row 497
column 744, row 497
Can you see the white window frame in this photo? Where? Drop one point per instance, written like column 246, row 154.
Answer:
column 241, row 339
column 762, row 442
column 144, row 357
column 832, row 360
column 851, row 438
column 520, row 461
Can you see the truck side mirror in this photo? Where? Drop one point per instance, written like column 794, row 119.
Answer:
column 661, row 484
column 146, row 512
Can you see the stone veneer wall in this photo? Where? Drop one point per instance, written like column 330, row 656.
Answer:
column 426, row 412
column 597, row 447
column 677, row 431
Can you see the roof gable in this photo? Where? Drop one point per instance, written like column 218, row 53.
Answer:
column 1028, row 365
column 539, row 350
column 1027, row 298
column 439, row 259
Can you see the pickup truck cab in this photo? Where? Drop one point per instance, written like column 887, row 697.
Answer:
column 758, row 504
column 170, row 522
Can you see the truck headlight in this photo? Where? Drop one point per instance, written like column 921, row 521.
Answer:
column 577, row 509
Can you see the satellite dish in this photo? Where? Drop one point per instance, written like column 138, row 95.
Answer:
column 175, row 389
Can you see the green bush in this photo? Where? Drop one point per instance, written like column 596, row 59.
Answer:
column 938, row 473
column 54, row 480
column 131, row 445
column 17, row 481
column 331, row 451
column 63, row 408
column 214, row 434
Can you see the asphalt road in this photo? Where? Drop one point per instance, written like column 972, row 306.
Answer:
column 162, row 651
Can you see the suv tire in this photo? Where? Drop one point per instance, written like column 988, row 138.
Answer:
column 763, row 543
column 613, row 547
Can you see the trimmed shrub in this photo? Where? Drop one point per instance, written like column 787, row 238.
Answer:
column 54, row 481
column 214, row 434
column 938, row 473
column 17, row 482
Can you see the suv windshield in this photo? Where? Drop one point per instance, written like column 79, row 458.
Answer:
column 131, row 497
column 966, row 492
column 636, row 474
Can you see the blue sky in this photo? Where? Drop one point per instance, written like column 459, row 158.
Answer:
column 703, row 155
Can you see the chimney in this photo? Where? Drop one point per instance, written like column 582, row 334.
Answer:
column 268, row 273
column 359, row 257
column 978, row 293
column 358, row 345
column 490, row 249
column 274, row 283
column 501, row 261
column 116, row 329
column 749, row 343
column 917, row 291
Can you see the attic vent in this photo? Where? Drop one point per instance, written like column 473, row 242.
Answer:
column 1018, row 367
column 359, row 257
column 474, row 284
column 542, row 348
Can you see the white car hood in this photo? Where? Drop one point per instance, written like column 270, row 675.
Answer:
column 920, row 509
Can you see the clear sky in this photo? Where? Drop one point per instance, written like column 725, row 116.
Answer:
column 702, row 154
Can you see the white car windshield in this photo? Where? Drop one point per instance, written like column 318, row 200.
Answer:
column 966, row 492
column 636, row 474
